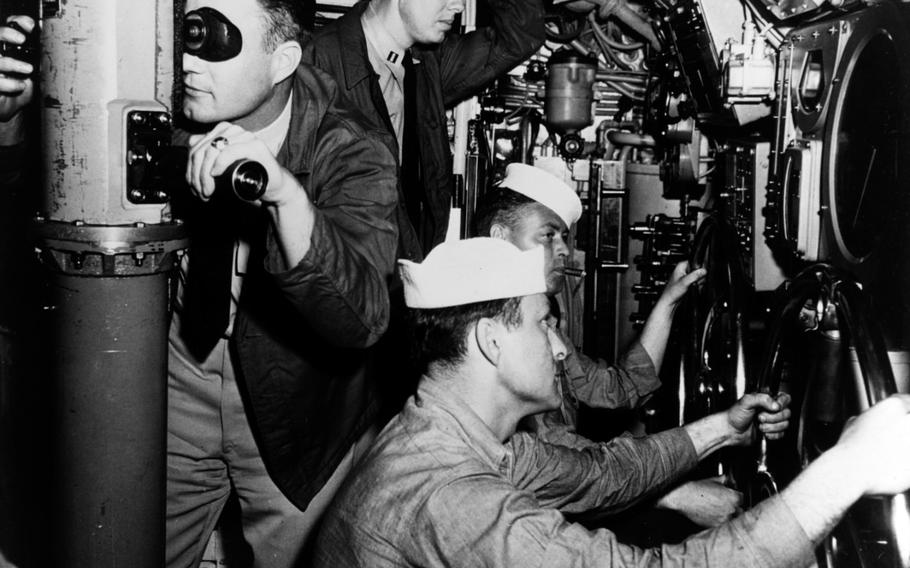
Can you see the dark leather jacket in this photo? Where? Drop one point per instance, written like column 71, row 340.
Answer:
column 301, row 333
column 446, row 74
column 17, row 259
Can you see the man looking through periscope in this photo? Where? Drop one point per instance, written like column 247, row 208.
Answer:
column 278, row 303
column 450, row 482
column 531, row 207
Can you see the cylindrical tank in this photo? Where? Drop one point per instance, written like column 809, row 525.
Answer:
column 570, row 91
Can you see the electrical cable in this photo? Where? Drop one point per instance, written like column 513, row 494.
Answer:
column 600, row 40
column 616, row 44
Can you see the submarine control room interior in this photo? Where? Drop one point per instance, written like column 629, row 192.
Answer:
column 764, row 141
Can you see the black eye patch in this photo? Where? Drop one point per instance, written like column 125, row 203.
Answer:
column 209, row 35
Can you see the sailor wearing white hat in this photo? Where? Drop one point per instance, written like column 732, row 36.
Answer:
column 531, row 207
column 473, row 270
column 451, row 482
column 507, row 290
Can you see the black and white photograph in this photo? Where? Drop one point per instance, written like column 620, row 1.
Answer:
column 454, row 283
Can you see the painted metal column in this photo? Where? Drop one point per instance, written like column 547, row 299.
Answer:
column 108, row 345
column 110, row 247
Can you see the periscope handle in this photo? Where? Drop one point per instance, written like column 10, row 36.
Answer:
column 248, row 179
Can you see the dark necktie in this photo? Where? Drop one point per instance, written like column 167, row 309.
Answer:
column 410, row 145
column 207, row 295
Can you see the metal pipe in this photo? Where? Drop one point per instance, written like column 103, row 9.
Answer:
column 110, row 430
column 635, row 21
column 108, row 340
column 630, row 139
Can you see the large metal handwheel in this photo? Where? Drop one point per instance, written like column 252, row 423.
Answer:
column 827, row 308
column 713, row 367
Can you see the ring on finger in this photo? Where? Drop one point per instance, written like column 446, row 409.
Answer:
column 219, row 142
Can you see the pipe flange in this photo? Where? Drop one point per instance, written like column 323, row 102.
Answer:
column 80, row 249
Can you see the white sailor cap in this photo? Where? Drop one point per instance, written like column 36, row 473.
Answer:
column 472, row 270
column 544, row 188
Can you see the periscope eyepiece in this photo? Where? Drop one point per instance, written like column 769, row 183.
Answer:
column 210, row 35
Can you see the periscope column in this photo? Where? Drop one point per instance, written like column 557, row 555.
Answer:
column 110, row 247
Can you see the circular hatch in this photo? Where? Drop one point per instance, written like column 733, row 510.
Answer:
column 866, row 174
